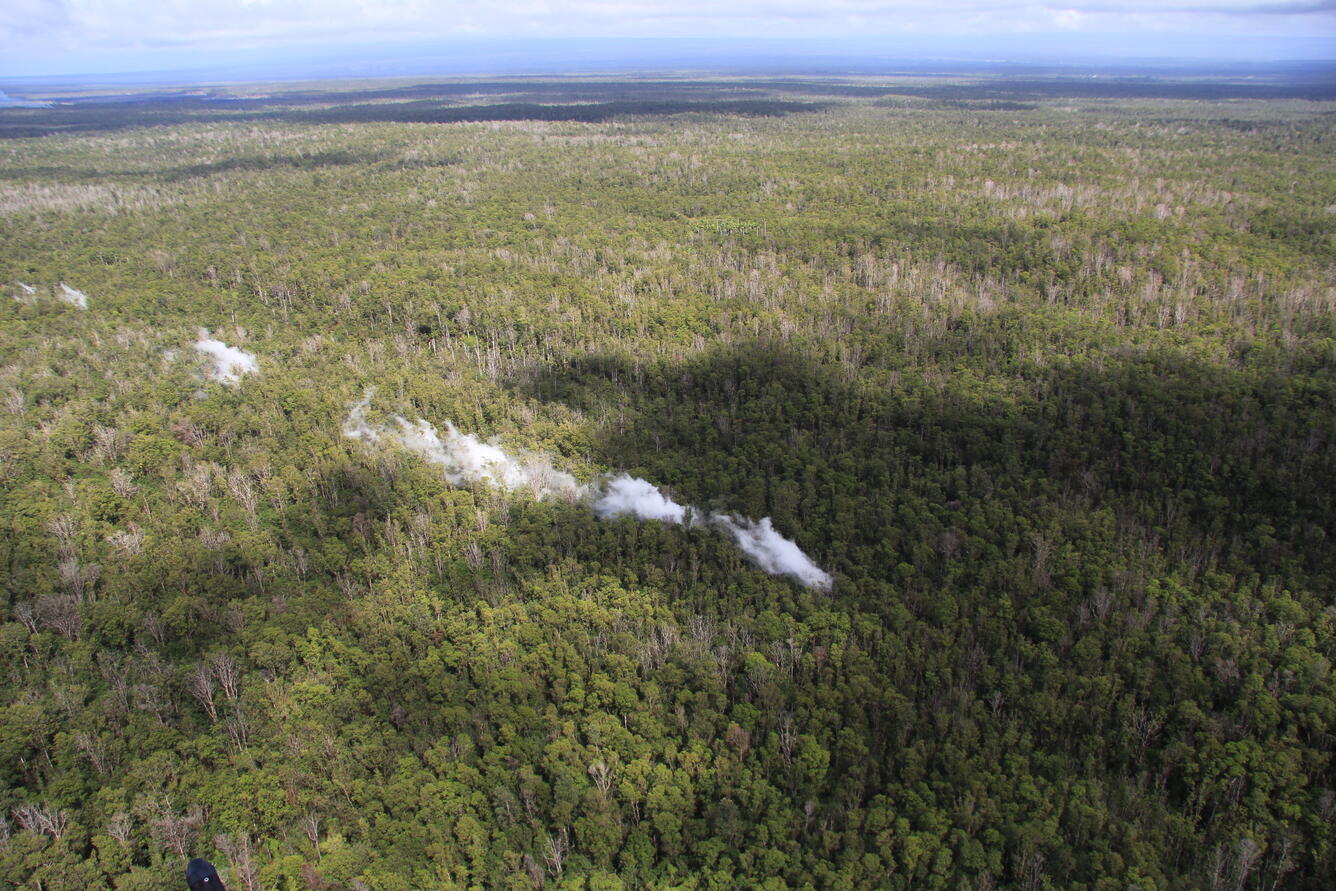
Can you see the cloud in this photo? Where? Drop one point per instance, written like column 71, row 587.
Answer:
column 1320, row 7
column 233, row 24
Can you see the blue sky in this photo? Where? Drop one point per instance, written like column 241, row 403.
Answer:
column 73, row 36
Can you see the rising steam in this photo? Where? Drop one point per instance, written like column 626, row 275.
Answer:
column 465, row 459
column 631, row 496
column 771, row 551
column 72, row 296
column 229, row 363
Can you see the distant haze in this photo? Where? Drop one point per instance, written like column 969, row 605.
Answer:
column 412, row 37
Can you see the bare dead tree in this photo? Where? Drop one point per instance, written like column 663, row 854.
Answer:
column 122, row 483
column 228, row 673
column 535, row 871
column 176, row 831
column 557, row 849
column 1285, row 864
column 60, row 613
column 296, row 559
column 656, row 646
column 1248, row 853
column 196, row 486
column 91, row 747
column 738, row 739
column 42, row 819
column 702, row 629
column 128, row 541
column 603, row 776
column 202, row 686
column 1032, row 873
column 65, row 528
column 213, row 539
column 785, row 654
column 26, row 613
column 71, row 575
column 276, row 490
column 1144, row 728
column 152, row 623
column 108, row 444
column 239, row 850
column 1219, row 867
column 120, row 827
column 788, row 739
column 113, row 671
column 473, row 554
column 310, row 823
column 238, row 729
column 242, row 489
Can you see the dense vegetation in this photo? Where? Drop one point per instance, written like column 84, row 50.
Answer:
column 1048, row 383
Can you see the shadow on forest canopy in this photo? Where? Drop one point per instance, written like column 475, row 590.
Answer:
column 1199, row 457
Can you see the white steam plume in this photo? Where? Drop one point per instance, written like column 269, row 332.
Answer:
column 72, row 296
column 465, row 459
column 625, row 495
column 229, row 363
column 771, row 551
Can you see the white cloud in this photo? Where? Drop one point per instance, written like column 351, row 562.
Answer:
column 1068, row 19
column 123, row 24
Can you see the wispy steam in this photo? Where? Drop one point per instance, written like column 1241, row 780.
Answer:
column 229, row 363
column 465, row 459
column 73, row 297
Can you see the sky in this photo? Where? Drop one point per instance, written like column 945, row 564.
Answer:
column 49, row 37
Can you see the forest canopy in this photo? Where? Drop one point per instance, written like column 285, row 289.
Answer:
column 1042, row 374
